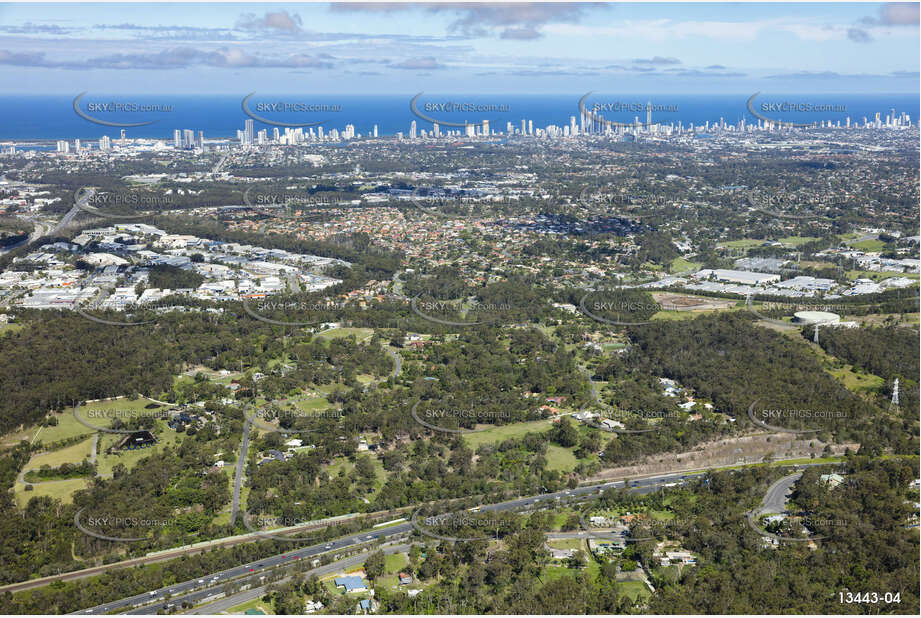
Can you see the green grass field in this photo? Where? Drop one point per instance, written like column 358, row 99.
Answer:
column 878, row 275
column 857, row 381
column 360, row 333
column 259, row 604
column 633, row 590
column 681, row 265
column 394, row 563
column 71, row 454
column 796, row 241
column 567, row 544
column 70, row 427
column 61, row 490
column 559, row 458
column 870, row 246
column 744, row 243
column 498, row 434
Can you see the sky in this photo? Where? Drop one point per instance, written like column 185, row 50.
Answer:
column 399, row 48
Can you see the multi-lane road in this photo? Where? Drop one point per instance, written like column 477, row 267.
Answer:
column 197, row 591
column 194, row 591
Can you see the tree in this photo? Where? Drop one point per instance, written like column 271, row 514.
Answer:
column 375, row 564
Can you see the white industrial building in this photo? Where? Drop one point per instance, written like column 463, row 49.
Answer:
column 738, row 276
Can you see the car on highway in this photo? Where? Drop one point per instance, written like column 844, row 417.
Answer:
column 329, row 546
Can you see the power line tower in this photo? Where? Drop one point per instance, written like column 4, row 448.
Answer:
column 894, row 404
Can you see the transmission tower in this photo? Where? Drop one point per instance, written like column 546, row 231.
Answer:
column 894, row 404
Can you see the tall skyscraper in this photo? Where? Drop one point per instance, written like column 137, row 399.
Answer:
column 530, row 127
column 524, row 127
column 572, row 125
column 177, row 138
column 188, row 138
column 649, row 114
column 105, row 143
column 248, row 131
column 375, row 130
column 486, row 128
column 123, row 136
column 412, row 130
column 436, row 130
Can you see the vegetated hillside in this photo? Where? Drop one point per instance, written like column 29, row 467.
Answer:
column 868, row 546
column 734, row 363
column 887, row 351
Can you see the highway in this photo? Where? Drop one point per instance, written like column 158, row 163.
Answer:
column 193, row 591
column 225, row 603
column 77, row 207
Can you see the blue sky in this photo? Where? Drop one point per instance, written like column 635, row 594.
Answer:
column 390, row 48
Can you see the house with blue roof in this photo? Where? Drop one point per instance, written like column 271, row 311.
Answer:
column 351, row 583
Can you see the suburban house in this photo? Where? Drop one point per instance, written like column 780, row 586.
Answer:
column 351, row 583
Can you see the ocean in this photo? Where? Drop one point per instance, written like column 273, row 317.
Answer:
column 53, row 117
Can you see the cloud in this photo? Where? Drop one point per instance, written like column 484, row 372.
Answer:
column 888, row 15
column 716, row 66
column 520, row 34
column 426, row 63
column 656, row 60
column 278, row 22
column 30, row 28
column 21, row 60
column 819, row 75
column 512, row 20
column 174, row 58
column 895, row 14
column 859, row 35
column 699, row 73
